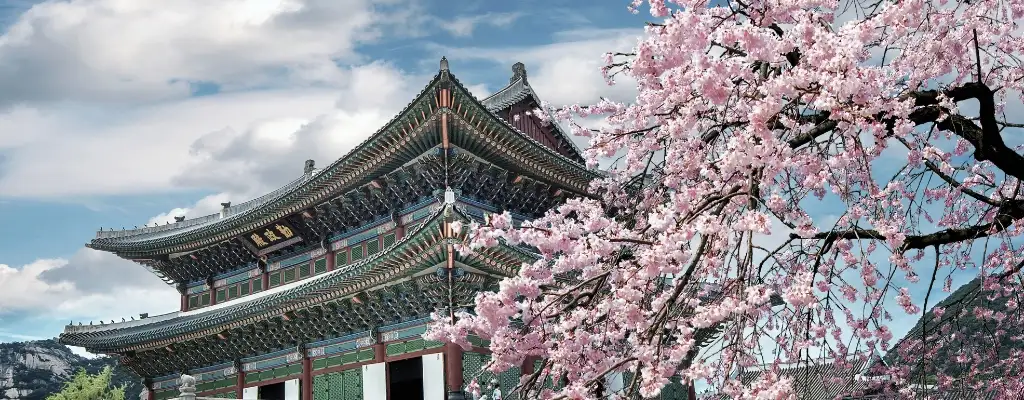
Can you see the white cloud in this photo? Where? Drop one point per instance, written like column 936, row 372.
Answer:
column 463, row 26
column 102, row 50
column 567, row 70
column 92, row 150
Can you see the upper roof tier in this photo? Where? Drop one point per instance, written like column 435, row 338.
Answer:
column 473, row 125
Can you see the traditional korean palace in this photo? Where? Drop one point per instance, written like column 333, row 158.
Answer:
column 323, row 288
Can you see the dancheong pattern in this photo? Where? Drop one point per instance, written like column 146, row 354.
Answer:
column 472, row 367
column 344, row 385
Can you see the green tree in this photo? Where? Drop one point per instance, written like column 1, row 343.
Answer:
column 90, row 387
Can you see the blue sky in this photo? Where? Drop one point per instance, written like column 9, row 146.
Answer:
column 117, row 116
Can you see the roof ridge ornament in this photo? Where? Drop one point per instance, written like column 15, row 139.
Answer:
column 309, row 167
column 444, row 63
column 518, row 72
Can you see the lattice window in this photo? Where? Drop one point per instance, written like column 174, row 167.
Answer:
column 193, row 301
column 233, row 291
column 289, row 275
column 320, row 266
column 243, row 288
column 205, row 299
column 257, row 284
column 220, row 295
column 340, row 258
column 357, row 253
column 304, row 270
column 372, row 246
column 275, row 279
column 344, row 385
column 388, row 240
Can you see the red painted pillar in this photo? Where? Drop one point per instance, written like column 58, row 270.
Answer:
column 239, row 381
column 213, row 291
column 379, row 351
column 307, row 377
column 150, row 394
column 183, row 290
column 453, row 367
column 330, row 259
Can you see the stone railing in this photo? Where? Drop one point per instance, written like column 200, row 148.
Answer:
column 187, row 391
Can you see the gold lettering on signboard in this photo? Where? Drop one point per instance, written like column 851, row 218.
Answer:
column 258, row 240
column 284, row 230
column 270, row 235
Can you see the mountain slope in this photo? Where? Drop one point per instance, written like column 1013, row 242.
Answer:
column 34, row 370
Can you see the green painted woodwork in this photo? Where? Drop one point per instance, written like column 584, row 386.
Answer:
column 344, row 385
column 357, row 253
column 372, row 247
column 340, row 258
column 320, row 266
column 244, row 288
column 273, row 373
column 193, row 301
column 233, row 291
column 221, row 295
column 289, row 275
column 411, row 346
column 275, row 279
column 388, row 240
column 351, row 357
column 473, row 368
column 205, row 300
column 257, row 285
column 478, row 342
column 304, row 270
column 214, row 385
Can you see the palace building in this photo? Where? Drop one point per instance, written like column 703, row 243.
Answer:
column 323, row 288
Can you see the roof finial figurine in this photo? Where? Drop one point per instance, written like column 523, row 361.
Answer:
column 518, row 72
column 444, row 63
column 309, row 167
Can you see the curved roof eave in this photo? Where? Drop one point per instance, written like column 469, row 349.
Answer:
column 128, row 245
column 267, row 304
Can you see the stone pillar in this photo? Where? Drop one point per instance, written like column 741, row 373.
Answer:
column 453, row 371
column 307, row 376
column 187, row 391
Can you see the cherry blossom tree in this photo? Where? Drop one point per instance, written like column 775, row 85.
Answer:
column 795, row 180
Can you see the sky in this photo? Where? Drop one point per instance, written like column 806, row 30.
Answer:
column 121, row 113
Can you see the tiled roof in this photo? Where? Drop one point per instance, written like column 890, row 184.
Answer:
column 310, row 188
column 179, row 323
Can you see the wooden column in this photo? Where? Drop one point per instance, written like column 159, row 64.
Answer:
column 213, row 290
column 264, row 275
column 379, row 351
column 307, row 377
column 183, row 290
column 453, row 370
column 239, row 380
column 150, row 394
column 330, row 258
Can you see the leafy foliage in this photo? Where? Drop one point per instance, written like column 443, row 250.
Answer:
column 84, row 386
column 42, row 381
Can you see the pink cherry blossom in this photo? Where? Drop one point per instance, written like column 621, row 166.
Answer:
column 795, row 181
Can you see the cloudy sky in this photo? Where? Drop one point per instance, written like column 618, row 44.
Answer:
column 117, row 113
